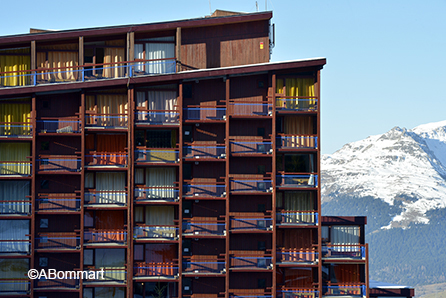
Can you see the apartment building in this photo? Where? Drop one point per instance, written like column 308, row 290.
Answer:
column 174, row 157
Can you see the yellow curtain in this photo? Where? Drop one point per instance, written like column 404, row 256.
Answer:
column 107, row 105
column 55, row 60
column 15, row 63
column 295, row 87
column 114, row 55
column 15, row 113
column 11, row 156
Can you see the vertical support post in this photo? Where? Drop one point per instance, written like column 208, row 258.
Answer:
column 367, row 270
column 130, row 188
column 82, row 192
column 178, row 49
column 319, row 224
column 33, row 189
column 130, row 52
column 33, row 63
column 180, row 192
column 274, row 172
column 81, row 58
column 228, row 185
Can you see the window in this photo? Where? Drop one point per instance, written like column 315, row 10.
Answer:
column 88, row 257
column 45, row 145
column 44, row 184
column 43, row 262
column 159, row 49
column 43, row 223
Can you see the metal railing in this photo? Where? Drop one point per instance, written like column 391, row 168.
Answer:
column 22, row 168
column 106, row 159
column 204, row 113
column 161, row 231
column 56, row 283
column 251, row 262
column 12, row 129
column 297, row 293
column 250, row 224
column 118, row 236
column 106, row 197
column 157, row 117
column 14, row 285
column 57, row 240
column 251, row 185
column 344, row 290
column 250, row 108
column 166, row 193
column 58, row 202
column 297, row 217
column 111, row 274
column 297, row 255
column 87, row 72
column 157, row 155
column 251, row 147
column 15, row 246
column 297, row 103
column 165, row 269
column 15, row 206
column 297, row 142
column 106, row 120
column 204, row 266
column 55, row 125
column 344, row 251
column 59, row 163
column 204, row 228
column 204, row 151
column 297, row 180
column 202, row 189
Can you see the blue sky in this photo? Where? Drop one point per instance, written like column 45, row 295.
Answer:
column 385, row 59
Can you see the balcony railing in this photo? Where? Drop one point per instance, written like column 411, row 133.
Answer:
column 158, row 117
column 251, row 224
column 297, row 255
column 250, row 293
column 58, row 240
column 156, row 193
column 116, row 236
column 204, row 228
column 204, row 266
column 106, row 120
column 161, row 231
column 14, row 286
column 106, row 159
column 251, row 262
column 297, row 142
column 202, row 113
column 55, row 125
column 59, row 163
column 203, row 189
column 157, row 155
column 15, row 246
column 297, row 103
column 204, row 151
column 297, row 218
column 15, row 206
column 106, row 197
column 251, row 185
column 250, row 147
column 21, row 168
column 88, row 72
column 111, row 274
column 297, row 180
column 344, row 290
column 250, row 108
column 344, row 251
column 297, row 293
column 165, row 269
column 15, row 129
column 68, row 283
column 58, row 202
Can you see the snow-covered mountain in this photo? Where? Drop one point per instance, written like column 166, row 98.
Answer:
column 404, row 168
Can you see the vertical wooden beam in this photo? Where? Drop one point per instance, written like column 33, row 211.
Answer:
column 130, row 188
column 367, row 269
column 274, row 173
column 130, row 46
column 33, row 188
column 319, row 225
column 33, row 60
column 228, row 186
column 81, row 50
column 178, row 49
column 82, row 192
column 180, row 192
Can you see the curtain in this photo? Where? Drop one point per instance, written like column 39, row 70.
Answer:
column 345, row 235
column 156, row 50
column 113, row 262
column 15, row 113
column 158, row 101
column 14, row 191
column 114, row 55
column 295, row 87
column 160, row 215
column 57, row 59
column 11, row 154
column 14, row 231
column 299, row 201
column 107, row 185
column 139, row 54
column 112, row 110
column 15, row 63
column 13, row 275
column 111, row 150
column 160, row 177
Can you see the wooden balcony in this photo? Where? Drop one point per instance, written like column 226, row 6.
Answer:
column 58, row 240
column 59, row 164
column 155, row 270
column 105, row 236
column 58, row 202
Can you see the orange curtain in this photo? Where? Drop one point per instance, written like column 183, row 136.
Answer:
column 112, row 149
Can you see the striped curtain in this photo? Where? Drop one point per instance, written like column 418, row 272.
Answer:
column 13, row 158
column 156, row 178
column 14, row 191
column 295, row 87
column 157, row 50
column 107, row 187
column 15, row 232
column 345, row 235
column 15, row 63
column 18, row 114
column 112, row 109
